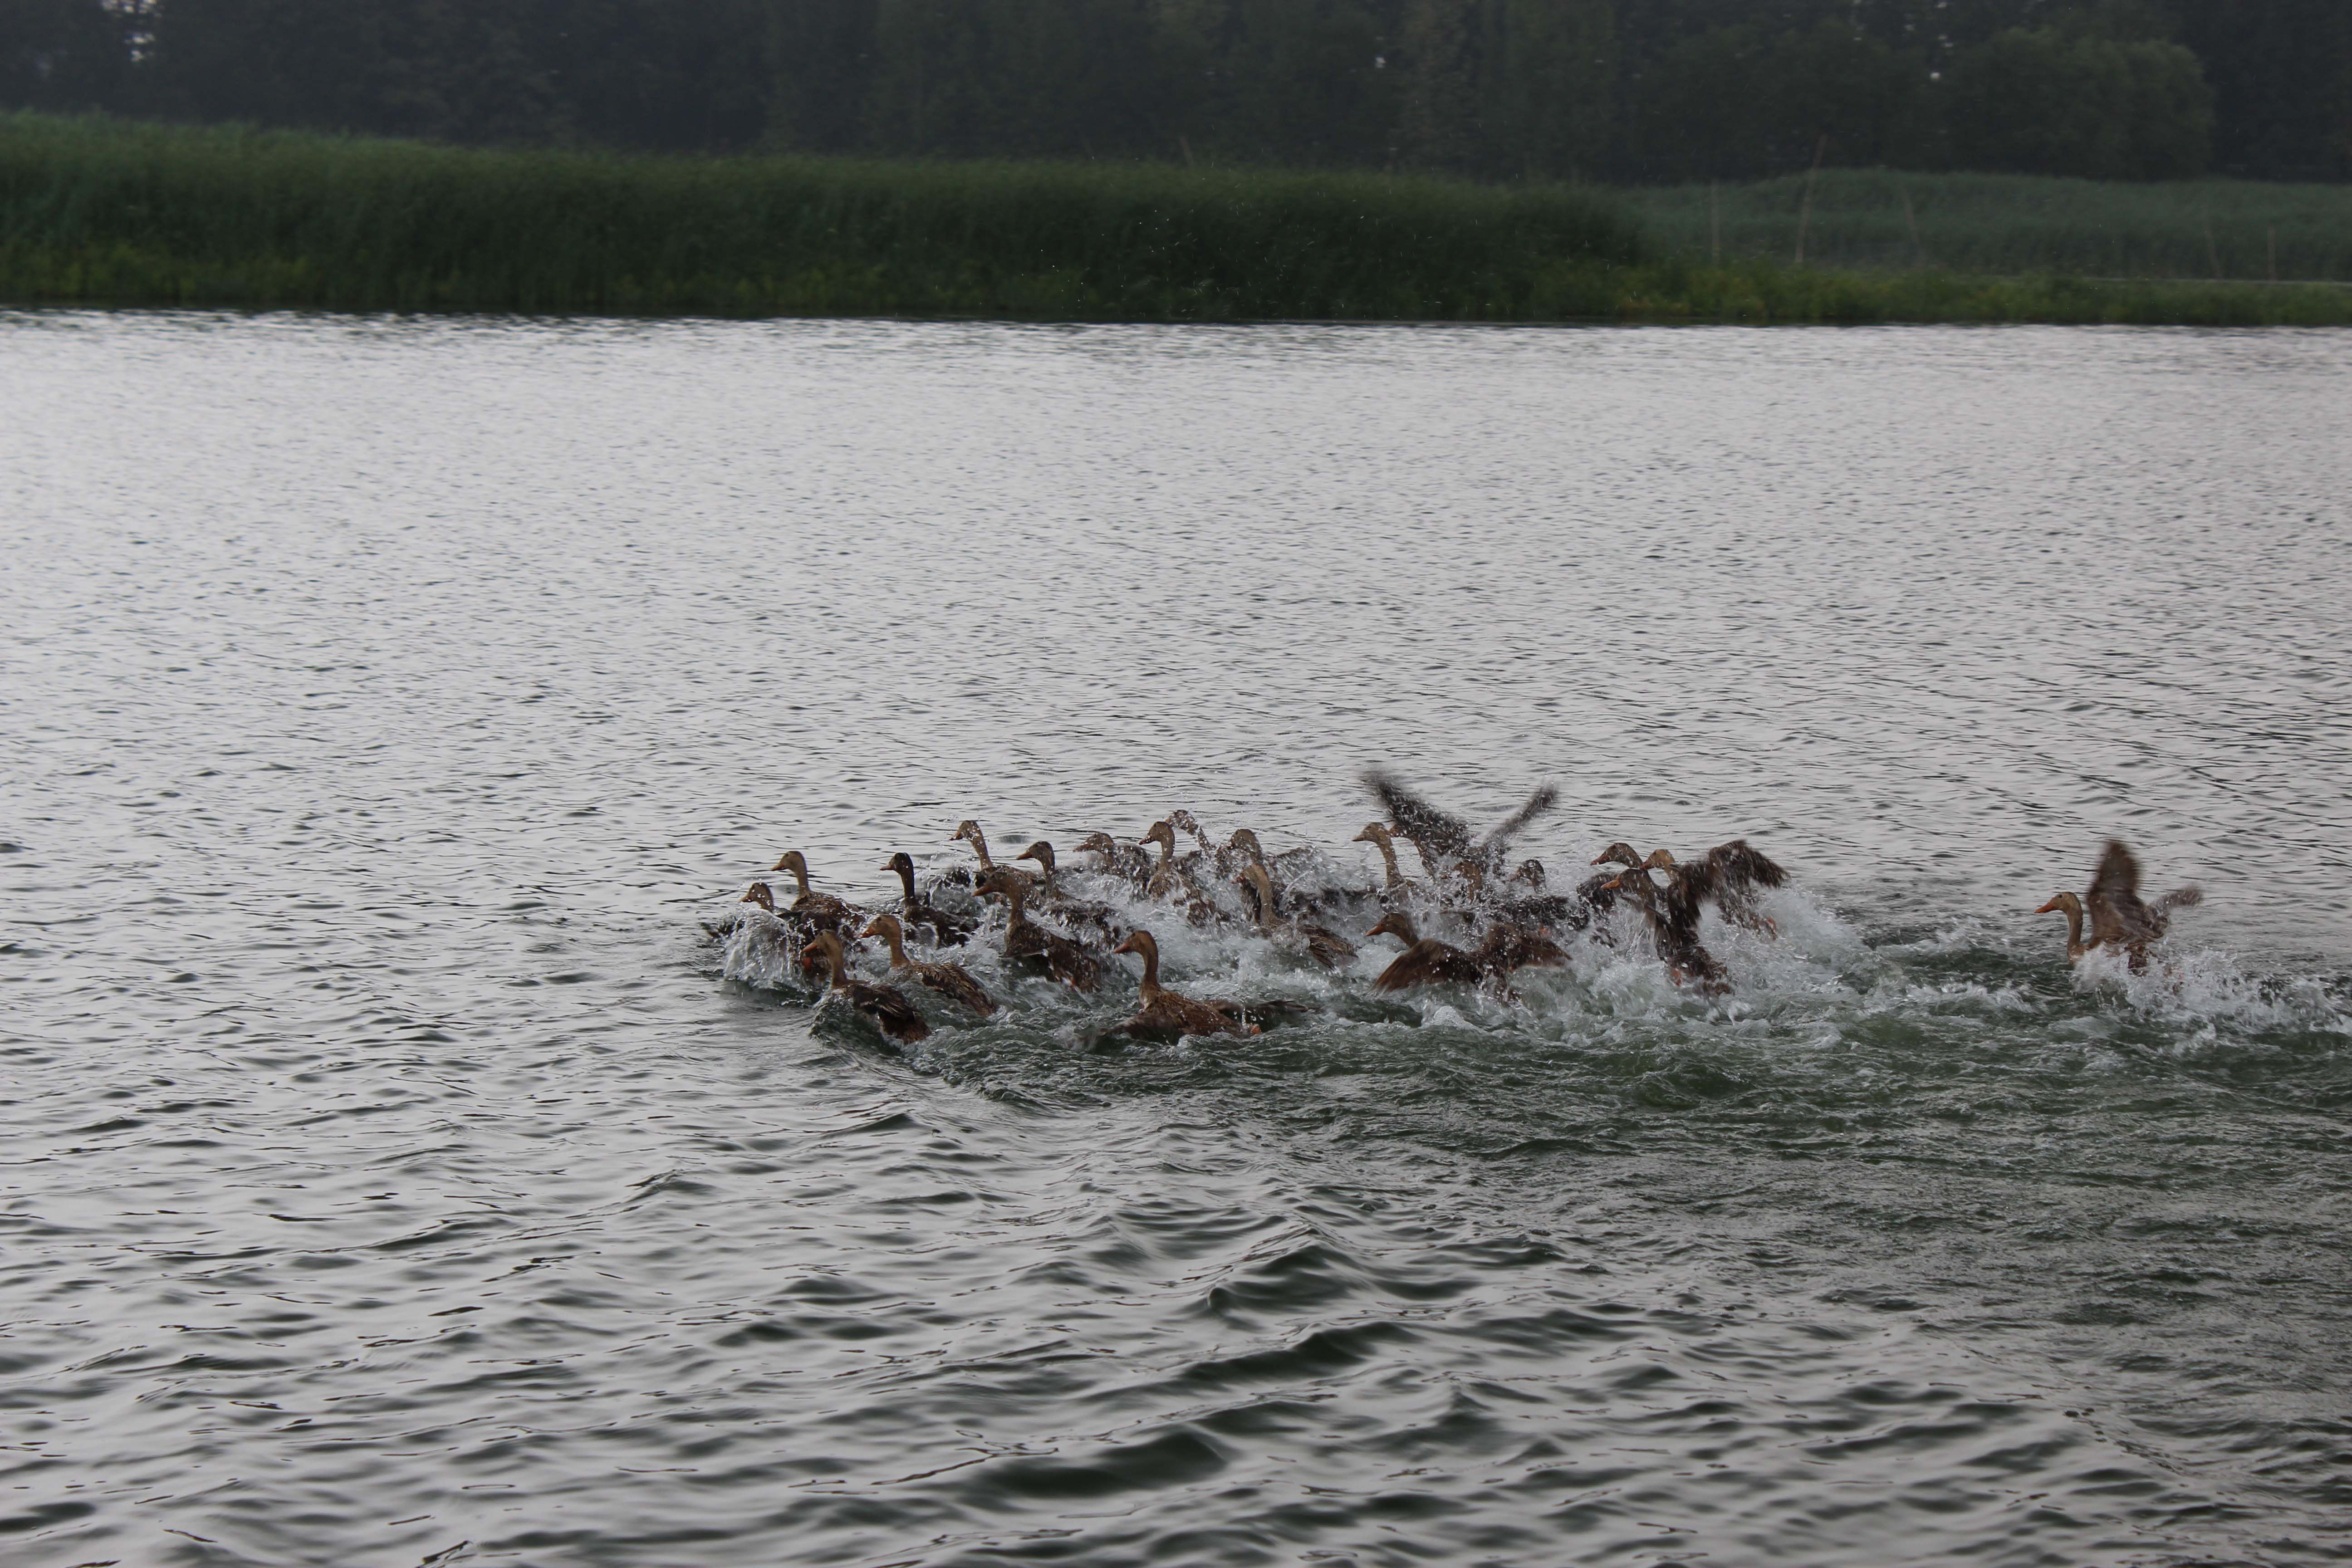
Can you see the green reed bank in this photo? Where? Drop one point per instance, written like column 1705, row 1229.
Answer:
column 102, row 212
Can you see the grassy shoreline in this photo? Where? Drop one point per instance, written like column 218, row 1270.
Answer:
column 107, row 213
column 2015, row 224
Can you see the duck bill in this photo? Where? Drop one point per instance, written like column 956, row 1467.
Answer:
column 2048, row 908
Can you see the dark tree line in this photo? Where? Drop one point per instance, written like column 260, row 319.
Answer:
column 1627, row 90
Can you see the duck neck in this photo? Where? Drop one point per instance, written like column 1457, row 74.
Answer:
column 897, row 946
column 1151, row 985
column 840, row 965
column 979, row 847
column 906, row 871
column 1262, row 895
column 1388, row 860
column 2074, row 913
column 800, row 877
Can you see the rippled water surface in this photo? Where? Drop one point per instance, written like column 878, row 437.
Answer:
column 396, row 1173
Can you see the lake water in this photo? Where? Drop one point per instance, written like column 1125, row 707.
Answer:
column 393, row 1172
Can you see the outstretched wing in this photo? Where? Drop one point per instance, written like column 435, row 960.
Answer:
column 1740, row 865
column 1543, row 799
column 2117, row 881
column 1418, row 820
column 2114, row 906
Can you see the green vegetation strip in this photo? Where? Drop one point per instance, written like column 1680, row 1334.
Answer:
column 2205, row 230
column 95, row 211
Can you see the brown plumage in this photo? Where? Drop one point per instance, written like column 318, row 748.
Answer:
column 2071, row 908
column 816, row 912
column 1165, row 1012
column 1171, row 878
column 1023, row 939
column 947, row 927
column 1377, row 833
column 951, row 981
column 1068, row 906
column 968, row 832
column 1541, row 910
column 1426, row 960
column 1192, row 825
column 2118, row 917
column 1445, row 841
column 1731, row 874
column 885, row 1006
column 1728, row 876
column 1673, row 914
column 1321, row 943
column 1508, row 947
column 1129, row 862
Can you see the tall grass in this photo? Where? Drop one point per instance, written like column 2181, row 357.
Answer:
column 2013, row 224
column 103, row 210
column 95, row 211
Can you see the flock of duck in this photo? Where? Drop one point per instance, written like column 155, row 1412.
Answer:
column 1506, row 919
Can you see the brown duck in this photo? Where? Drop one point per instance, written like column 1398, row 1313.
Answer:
column 2118, row 917
column 886, row 1007
column 1164, row 1012
column 1068, row 962
column 1321, row 943
column 1444, row 841
column 968, row 832
column 814, row 910
column 1426, row 960
column 1129, row 862
column 1731, row 874
column 951, row 981
column 1068, row 906
column 1171, row 878
column 1672, row 913
column 947, row 928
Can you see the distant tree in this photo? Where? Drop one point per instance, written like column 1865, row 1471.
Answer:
column 1438, row 119
column 2281, row 77
column 1547, row 78
column 1733, row 103
column 463, row 70
column 669, row 75
column 61, row 55
column 821, row 55
column 2040, row 101
column 1291, row 81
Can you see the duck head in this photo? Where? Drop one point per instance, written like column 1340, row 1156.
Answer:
column 1041, row 852
column 761, row 895
column 1160, row 833
column 1618, row 854
column 1397, row 924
